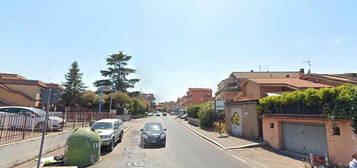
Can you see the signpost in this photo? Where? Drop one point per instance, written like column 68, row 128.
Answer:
column 101, row 89
column 48, row 97
column 219, row 106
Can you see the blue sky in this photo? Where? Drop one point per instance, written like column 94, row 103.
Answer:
column 176, row 44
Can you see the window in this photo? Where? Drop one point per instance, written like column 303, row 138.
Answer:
column 271, row 125
column 336, row 131
column 11, row 110
column 25, row 112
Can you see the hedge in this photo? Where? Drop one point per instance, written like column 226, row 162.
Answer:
column 207, row 115
column 192, row 110
column 336, row 103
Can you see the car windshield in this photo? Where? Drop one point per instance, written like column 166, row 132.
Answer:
column 153, row 127
column 102, row 125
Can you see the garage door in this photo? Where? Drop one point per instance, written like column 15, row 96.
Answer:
column 304, row 138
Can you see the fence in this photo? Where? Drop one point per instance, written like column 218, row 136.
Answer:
column 15, row 127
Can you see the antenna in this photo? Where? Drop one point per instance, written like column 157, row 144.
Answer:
column 308, row 62
column 262, row 67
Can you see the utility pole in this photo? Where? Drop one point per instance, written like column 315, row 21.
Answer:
column 111, row 98
column 100, row 101
column 44, row 129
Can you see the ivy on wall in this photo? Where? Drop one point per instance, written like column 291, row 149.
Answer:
column 336, row 103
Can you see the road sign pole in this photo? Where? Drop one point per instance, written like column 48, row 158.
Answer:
column 111, row 100
column 44, row 129
column 100, row 103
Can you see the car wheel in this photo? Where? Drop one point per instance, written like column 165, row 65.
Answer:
column 110, row 147
column 40, row 126
column 121, row 136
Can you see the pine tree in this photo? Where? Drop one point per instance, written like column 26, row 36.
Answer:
column 117, row 73
column 74, row 86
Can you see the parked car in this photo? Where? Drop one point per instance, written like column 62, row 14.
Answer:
column 153, row 133
column 16, row 117
column 110, row 132
column 183, row 116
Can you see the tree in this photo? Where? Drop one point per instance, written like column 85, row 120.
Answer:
column 74, row 86
column 207, row 115
column 89, row 99
column 117, row 73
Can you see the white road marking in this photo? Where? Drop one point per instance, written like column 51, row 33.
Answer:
column 240, row 159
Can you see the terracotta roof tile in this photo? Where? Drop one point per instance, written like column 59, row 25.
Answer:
column 294, row 82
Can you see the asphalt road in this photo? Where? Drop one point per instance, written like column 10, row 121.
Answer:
column 184, row 149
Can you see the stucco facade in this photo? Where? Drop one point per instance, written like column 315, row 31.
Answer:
column 15, row 90
column 340, row 147
column 248, row 125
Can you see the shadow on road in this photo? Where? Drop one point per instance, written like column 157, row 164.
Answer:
column 104, row 152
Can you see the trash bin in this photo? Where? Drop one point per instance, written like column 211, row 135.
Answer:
column 82, row 148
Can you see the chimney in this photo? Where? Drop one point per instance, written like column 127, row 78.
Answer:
column 301, row 73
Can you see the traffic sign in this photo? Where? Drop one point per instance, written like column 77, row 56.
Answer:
column 50, row 95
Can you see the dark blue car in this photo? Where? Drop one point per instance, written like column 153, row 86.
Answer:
column 153, row 133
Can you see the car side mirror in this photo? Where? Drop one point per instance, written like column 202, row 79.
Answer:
column 165, row 129
column 141, row 129
column 116, row 127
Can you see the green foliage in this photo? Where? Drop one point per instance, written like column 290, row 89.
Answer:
column 121, row 100
column 74, row 86
column 117, row 73
column 89, row 99
column 336, row 103
column 193, row 110
column 207, row 115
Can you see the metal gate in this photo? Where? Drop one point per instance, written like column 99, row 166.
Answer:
column 304, row 138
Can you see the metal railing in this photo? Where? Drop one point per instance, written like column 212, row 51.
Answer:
column 14, row 127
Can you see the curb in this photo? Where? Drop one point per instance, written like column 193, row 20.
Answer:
column 204, row 137
column 218, row 144
column 127, row 129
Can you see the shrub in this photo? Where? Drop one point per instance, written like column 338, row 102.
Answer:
column 193, row 110
column 336, row 103
column 206, row 115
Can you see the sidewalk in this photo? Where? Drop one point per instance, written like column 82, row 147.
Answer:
column 249, row 151
column 32, row 163
column 228, row 142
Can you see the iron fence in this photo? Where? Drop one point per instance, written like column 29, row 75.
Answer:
column 14, row 127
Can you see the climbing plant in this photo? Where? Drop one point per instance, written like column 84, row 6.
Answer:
column 336, row 103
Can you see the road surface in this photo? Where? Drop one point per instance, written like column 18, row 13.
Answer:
column 184, row 149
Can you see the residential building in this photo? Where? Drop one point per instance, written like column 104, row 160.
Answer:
column 310, row 133
column 198, row 95
column 17, row 90
column 251, row 90
column 166, row 106
column 333, row 80
column 229, row 88
column 194, row 96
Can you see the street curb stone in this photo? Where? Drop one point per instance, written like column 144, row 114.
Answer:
column 218, row 144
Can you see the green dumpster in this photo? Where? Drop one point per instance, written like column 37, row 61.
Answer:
column 82, row 148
